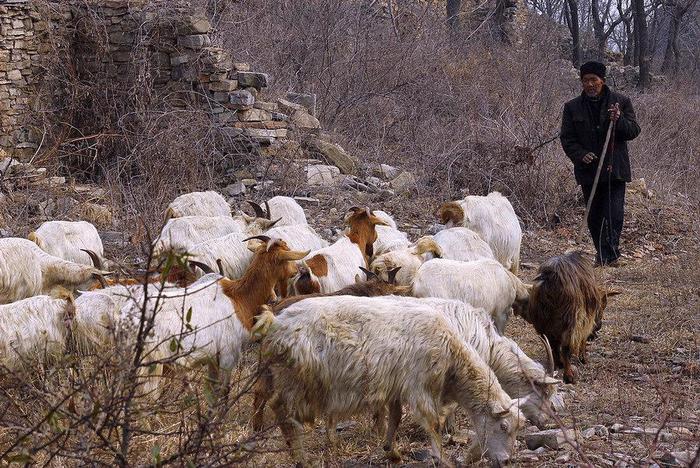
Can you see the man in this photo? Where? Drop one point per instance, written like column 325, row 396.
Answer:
column 583, row 129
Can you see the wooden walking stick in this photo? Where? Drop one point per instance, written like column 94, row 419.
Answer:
column 595, row 183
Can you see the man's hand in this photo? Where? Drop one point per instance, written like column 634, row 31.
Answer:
column 589, row 158
column 614, row 111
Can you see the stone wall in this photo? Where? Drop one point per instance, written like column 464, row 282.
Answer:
column 126, row 43
column 20, row 29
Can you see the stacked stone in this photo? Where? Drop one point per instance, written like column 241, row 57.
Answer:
column 19, row 57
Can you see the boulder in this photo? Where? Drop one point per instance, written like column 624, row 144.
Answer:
column 553, row 438
column 252, row 79
column 404, row 182
column 335, row 154
column 303, row 119
column 322, row 175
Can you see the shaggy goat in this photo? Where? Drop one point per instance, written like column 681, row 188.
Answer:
column 335, row 266
column 409, row 259
column 493, row 219
column 26, row 271
column 298, row 237
column 566, row 305
column 481, row 283
column 339, row 356
column 209, row 203
column 463, row 244
column 69, row 240
column 37, row 326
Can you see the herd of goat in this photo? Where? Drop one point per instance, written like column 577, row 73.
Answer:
column 371, row 323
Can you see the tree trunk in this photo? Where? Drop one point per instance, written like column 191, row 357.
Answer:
column 453, row 9
column 571, row 10
column 670, row 56
column 640, row 28
column 598, row 31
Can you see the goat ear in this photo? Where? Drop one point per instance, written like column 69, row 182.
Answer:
column 548, row 380
column 292, row 255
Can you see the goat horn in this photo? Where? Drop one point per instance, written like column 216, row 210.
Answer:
column 220, row 266
column 550, row 356
column 260, row 237
column 274, row 222
column 96, row 262
column 202, row 266
column 392, row 275
column 267, row 209
column 258, row 210
column 369, row 274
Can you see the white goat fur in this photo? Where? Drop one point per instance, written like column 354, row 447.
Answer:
column 480, row 283
column 343, row 258
column 287, row 209
column 26, row 271
column 463, row 244
column 36, row 326
column 339, row 356
column 209, row 203
column 298, row 237
column 389, row 238
column 64, row 239
column 493, row 218
column 230, row 249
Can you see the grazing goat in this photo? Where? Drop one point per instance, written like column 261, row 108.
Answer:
column 463, row 244
column 341, row 355
column 493, row 219
column 408, row 259
column 334, row 267
column 38, row 326
column 179, row 235
column 209, row 203
column 389, row 238
column 222, row 311
column 481, row 283
column 286, row 209
column 566, row 305
column 26, row 271
column 68, row 240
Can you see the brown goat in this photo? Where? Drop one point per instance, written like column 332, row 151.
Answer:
column 371, row 287
column 566, row 305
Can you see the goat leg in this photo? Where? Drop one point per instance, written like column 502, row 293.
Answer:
column 290, row 430
column 569, row 370
column 262, row 392
column 394, row 419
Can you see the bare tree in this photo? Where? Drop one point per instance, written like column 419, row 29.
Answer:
column 453, row 8
column 677, row 10
column 603, row 24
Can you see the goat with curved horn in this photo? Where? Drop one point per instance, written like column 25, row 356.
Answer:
column 202, row 266
column 96, row 262
column 258, row 209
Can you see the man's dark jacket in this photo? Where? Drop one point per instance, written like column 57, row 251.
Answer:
column 582, row 133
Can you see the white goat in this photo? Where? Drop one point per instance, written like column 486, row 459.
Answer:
column 492, row 217
column 334, row 267
column 481, row 283
column 389, row 238
column 287, row 210
column 460, row 243
column 340, row 356
column 298, row 237
column 181, row 234
column 26, row 271
column 66, row 239
column 520, row 376
column 209, row 203
column 35, row 327
column 230, row 253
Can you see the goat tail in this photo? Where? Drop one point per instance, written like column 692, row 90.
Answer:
column 428, row 245
column 34, row 238
column 169, row 213
column 263, row 323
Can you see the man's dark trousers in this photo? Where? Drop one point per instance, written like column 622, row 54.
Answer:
column 606, row 217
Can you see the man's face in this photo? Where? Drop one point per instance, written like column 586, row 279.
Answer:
column 592, row 84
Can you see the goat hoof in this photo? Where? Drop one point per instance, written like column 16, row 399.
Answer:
column 392, row 454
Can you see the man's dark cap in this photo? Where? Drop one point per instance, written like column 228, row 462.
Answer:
column 595, row 68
